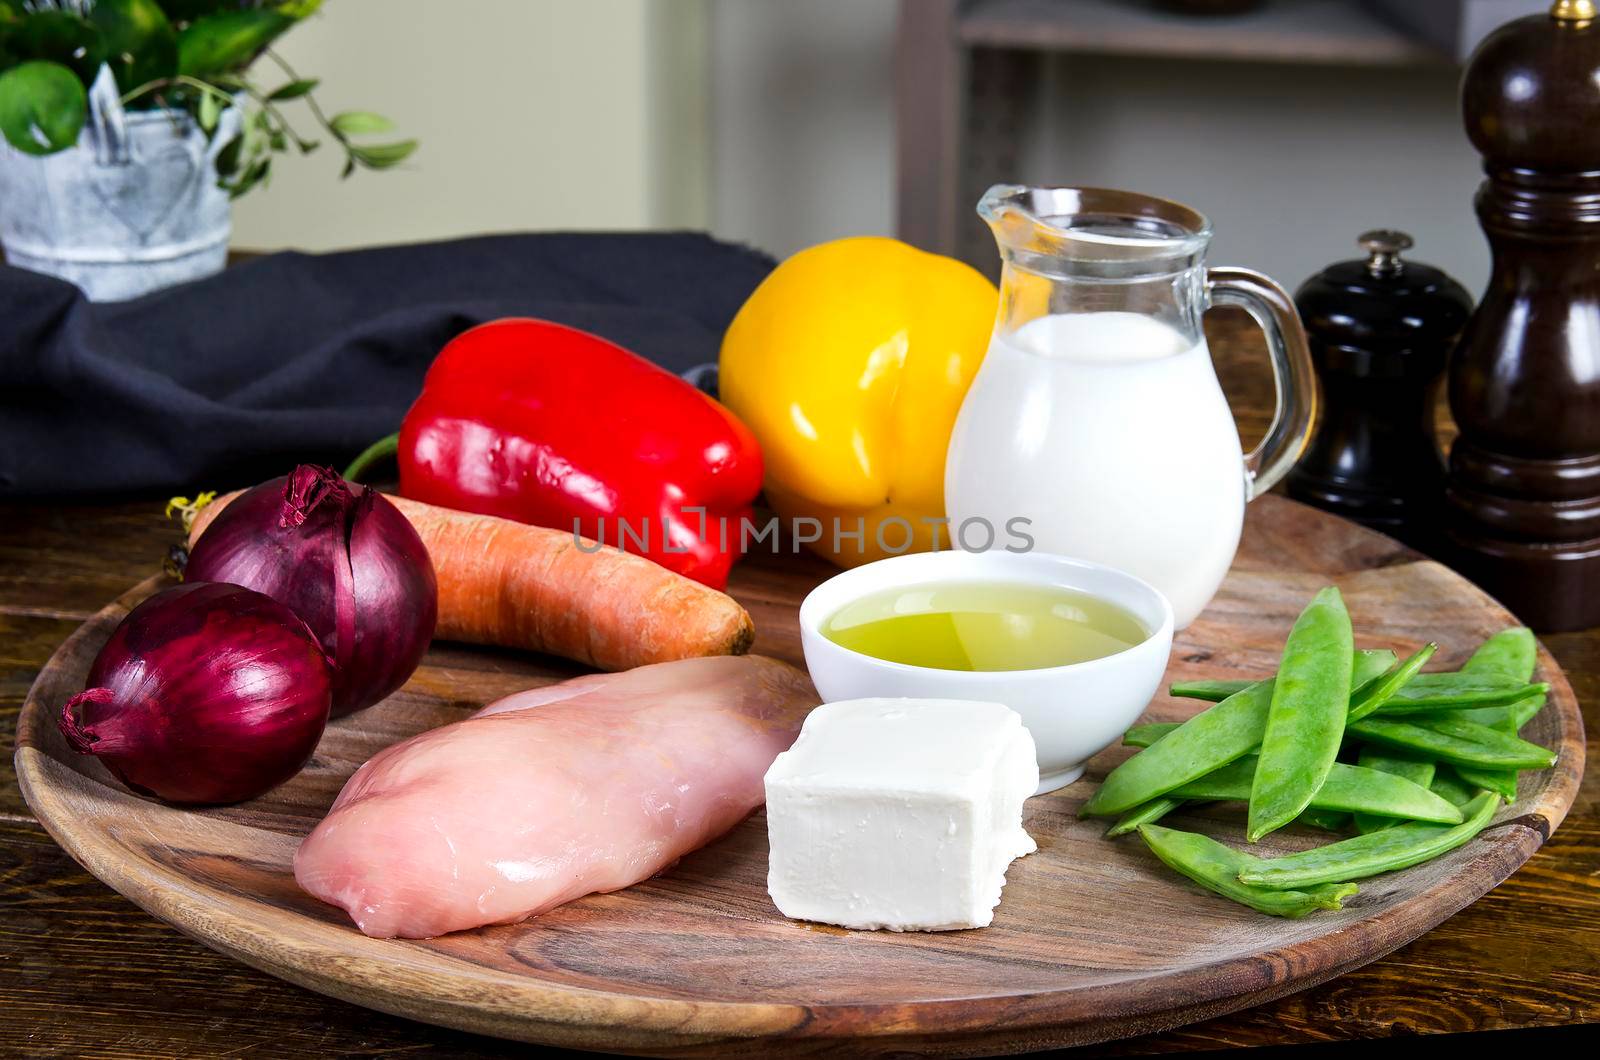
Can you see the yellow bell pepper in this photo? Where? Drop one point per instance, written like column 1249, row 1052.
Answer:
column 849, row 363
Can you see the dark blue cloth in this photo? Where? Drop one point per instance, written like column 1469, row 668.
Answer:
column 294, row 357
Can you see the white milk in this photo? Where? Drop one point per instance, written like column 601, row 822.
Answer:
column 1110, row 433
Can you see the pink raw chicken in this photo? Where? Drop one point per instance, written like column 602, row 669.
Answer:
column 551, row 794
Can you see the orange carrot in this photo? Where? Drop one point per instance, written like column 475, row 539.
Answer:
column 520, row 586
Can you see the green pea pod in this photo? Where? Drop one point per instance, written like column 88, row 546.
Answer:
column 1216, row 868
column 1305, row 723
column 1149, row 813
column 1502, row 782
column 1148, row 733
column 1511, row 653
column 1205, row 742
column 1427, row 692
column 1431, row 693
column 1525, row 710
column 1347, row 787
column 1375, row 694
column 1325, row 820
column 1509, row 717
column 1401, row 764
column 1449, row 785
column 1454, row 740
column 1394, row 848
column 1211, row 691
column 1367, row 668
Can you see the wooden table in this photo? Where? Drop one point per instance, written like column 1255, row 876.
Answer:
column 83, row 972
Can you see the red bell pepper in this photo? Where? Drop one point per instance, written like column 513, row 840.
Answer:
column 545, row 424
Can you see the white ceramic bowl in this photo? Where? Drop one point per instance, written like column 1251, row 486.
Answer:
column 1073, row 712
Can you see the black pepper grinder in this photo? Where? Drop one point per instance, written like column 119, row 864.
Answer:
column 1381, row 330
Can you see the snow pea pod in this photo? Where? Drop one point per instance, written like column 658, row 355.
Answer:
column 1454, row 740
column 1425, row 692
column 1447, row 784
column 1512, row 653
column 1366, row 669
column 1325, row 820
column 1367, row 855
column 1401, row 764
column 1149, row 813
column 1305, row 723
column 1148, row 733
column 1216, row 868
column 1347, row 787
column 1205, row 742
column 1509, row 717
column 1373, row 695
column 1431, row 693
column 1502, row 782
column 1524, row 710
column 1211, row 691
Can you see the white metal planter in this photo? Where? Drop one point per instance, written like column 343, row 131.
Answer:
column 133, row 207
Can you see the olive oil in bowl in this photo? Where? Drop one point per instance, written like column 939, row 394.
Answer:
column 984, row 626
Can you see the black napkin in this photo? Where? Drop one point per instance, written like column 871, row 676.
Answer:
column 292, row 357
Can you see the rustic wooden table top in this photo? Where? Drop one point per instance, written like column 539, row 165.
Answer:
column 84, row 972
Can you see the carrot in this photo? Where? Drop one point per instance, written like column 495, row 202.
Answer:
column 520, row 586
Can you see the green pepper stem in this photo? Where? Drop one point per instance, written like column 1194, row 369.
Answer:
column 379, row 450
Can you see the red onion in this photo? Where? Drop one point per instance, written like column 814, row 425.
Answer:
column 345, row 560
column 205, row 693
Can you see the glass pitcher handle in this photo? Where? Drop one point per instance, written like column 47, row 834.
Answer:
column 1296, row 413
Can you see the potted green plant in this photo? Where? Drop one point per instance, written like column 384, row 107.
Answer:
column 129, row 125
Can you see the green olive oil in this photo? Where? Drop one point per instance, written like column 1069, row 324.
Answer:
column 984, row 626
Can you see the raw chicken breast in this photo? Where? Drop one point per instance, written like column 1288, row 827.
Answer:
column 551, row 794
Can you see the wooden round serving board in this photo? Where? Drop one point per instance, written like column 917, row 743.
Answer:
column 1093, row 940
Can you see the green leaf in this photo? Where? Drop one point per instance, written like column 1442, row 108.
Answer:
column 227, row 41
column 62, row 38
column 189, row 10
column 42, row 107
column 140, row 43
column 298, row 9
column 209, row 111
column 256, row 174
column 359, row 123
column 293, row 90
column 382, row 156
column 228, row 157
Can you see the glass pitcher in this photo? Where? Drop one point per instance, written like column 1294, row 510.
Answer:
column 1096, row 427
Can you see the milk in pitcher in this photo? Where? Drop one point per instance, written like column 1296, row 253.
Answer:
column 1096, row 416
column 1109, row 432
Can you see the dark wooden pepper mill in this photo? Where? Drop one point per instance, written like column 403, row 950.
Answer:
column 1523, row 500
column 1381, row 329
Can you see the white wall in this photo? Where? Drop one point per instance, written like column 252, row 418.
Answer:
column 1291, row 162
column 802, row 120
column 772, row 122
column 531, row 113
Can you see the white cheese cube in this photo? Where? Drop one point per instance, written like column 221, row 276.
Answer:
column 899, row 813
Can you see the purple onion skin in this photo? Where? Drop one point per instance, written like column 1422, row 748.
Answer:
column 205, row 693
column 345, row 560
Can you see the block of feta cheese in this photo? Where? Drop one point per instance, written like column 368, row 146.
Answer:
column 899, row 813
